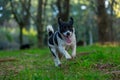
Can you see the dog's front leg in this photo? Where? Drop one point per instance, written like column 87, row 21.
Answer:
column 64, row 52
column 73, row 50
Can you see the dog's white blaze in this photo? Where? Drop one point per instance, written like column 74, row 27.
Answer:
column 65, row 33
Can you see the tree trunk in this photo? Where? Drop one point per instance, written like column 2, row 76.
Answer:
column 102, row 22
column 111, row 22
column 21, row 19
column 21, row 36
column 63, row 7
column 40, row 32
column 90, row 37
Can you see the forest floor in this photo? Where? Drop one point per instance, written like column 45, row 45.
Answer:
column 91, row 63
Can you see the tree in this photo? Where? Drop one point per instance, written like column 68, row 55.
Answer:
column 21, row 11
column 63, row 8
column 102, row 20
column 4, row 11
column 39, row 24
column 111, row 21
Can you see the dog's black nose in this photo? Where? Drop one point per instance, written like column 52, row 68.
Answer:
column 68, row 34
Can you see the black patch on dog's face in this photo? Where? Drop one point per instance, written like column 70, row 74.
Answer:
column 65, row 26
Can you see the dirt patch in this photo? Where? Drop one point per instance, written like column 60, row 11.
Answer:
column 103, row 66
column 9, row 67
column 109, row 69
column 8, row 60
column 84, row 53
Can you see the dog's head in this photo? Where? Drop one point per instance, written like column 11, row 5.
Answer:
column 66, row 29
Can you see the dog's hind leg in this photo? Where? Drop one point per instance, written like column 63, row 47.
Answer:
column 56, row 58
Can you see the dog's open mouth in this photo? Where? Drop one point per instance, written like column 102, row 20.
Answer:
column 68, row 39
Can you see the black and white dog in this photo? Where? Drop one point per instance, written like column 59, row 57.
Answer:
column 61, row 40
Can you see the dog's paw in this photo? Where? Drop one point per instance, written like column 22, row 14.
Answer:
column 68, row 57
column 73, row 56
column 58, row 65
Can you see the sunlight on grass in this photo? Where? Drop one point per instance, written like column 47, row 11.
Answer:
column 108, row 44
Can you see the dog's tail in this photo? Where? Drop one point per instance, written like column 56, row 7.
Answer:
column 50, row 30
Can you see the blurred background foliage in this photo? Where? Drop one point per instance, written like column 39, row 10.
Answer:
column 23, row 22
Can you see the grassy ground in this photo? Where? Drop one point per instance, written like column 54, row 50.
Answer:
column 91, row 63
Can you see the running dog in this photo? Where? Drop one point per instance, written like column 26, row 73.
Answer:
column 62, row 39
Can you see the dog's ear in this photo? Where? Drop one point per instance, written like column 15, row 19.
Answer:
column 71, row 21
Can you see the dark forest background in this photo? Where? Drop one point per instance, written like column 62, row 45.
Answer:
column 23, row 22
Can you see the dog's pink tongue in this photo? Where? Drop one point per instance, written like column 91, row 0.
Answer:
column 68, row 40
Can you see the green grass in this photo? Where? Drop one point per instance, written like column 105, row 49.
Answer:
column 91, row 63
